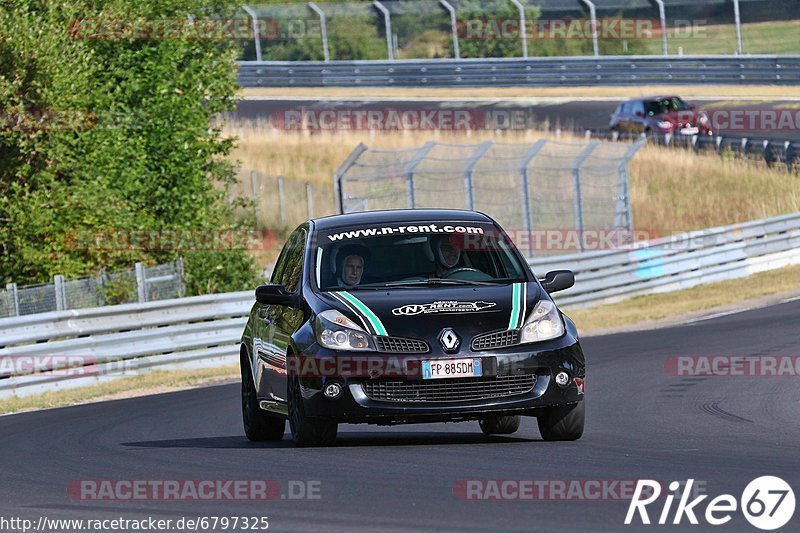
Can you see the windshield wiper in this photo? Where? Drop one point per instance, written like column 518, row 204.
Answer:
column 433, row 282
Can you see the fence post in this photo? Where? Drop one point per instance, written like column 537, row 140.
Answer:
column 12, row 288
column 100, row 280
column 576, row 175
column 471, row 162
column 58, row 285
column 387, row 22
column 453, row 26
column 256, row 33
column 411, row 198
column 310, row 201
column 280, row 201
column 624, row 213
column 663, row 16
column 526, row 201
column 254, row 187
column 323, row 29
column 338, row 193
column 593, row 15
column 180, row 274
column 141, row 283
column 738, row 20
column 523, row 30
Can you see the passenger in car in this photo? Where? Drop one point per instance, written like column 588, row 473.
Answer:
column 446, row 256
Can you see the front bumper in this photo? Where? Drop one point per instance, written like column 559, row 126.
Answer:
column 356, row 406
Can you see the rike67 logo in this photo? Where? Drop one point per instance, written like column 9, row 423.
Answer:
column 767, row 503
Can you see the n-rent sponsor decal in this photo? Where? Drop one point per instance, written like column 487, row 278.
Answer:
column 398, row 230
column 442, row 306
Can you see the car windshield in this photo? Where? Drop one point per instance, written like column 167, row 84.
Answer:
column 665, row 105
column 414, row 254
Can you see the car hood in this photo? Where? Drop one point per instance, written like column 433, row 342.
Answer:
column 422, row 313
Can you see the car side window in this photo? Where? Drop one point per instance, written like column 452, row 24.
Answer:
column 626, row 109
column 292, row 264
column 638, row 107
column 281, row 262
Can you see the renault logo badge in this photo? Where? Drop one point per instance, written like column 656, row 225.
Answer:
column 450, row 340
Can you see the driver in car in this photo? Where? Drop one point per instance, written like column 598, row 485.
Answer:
column 351, row 265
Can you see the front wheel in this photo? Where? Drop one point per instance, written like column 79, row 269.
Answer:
column 258, row 426
column 562, row 422
column 500, row 425
column 307, row 431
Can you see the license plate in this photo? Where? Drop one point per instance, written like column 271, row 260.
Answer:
column 690, row 131
column 452, row 368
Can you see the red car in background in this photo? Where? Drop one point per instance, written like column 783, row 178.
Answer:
column 659, row 114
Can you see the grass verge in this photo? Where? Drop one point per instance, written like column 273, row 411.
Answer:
column 674, row 307
column 142, row 385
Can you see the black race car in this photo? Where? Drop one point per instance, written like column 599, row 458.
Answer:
column 393, row 317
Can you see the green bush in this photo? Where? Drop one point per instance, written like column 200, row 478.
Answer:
column 133, row 147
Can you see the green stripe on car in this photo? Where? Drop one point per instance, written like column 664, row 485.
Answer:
column 371, row 317
column 516, row 291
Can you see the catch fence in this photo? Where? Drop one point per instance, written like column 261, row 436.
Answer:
column 548, row 185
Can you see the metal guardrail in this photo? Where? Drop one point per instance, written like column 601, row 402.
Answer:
column 201, row 331
column 116, row 341
column 678, row 262
column 546, row 71
column 774, row 152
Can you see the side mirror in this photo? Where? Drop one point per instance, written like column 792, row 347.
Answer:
column 558, row 280
column 272, row 294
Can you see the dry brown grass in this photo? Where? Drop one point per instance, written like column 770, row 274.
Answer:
column 670, row 189
column 679, row 190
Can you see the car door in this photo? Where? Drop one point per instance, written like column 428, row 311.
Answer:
column 285, row 320
column 267, row 359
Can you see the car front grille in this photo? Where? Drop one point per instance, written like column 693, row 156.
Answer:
column 448, row 389
column 498, row 339
column 401, row 345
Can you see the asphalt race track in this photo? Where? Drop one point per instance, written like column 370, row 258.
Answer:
column 567, row 114
column 642, row 423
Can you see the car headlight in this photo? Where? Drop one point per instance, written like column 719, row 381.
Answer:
column 337, row 332
column 544, row 323
column 664, row 124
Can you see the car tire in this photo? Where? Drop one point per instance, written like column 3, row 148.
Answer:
column 562, row 422
column 258, row 426
column 500, row 425
column 307, row 431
